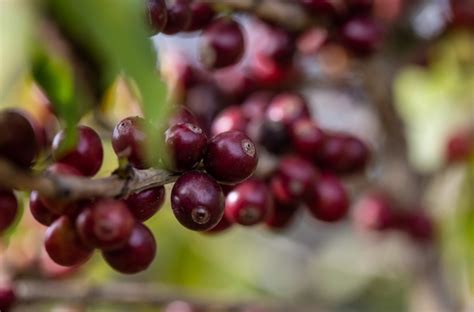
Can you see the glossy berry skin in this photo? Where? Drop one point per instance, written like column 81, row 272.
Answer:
column 223, row 225
column 179, row 17
column 143, row 205
column 307, row 138
column 197, row 201
column 281, row 216
column 18, row 143
column 63, row 244
column 105, row 224
column 157, row 14
column 129, row 141
column 230, row 118
column 7, row 297
column 86, row 155
column 201, row 15
column 287, row 108
column 249, row 203
column 222, row 44
column 8, row 209
column 268, row 73
column 293, row 180
column 136, row 255
column 186, row 144
column 361, row 35
column 329, row 201
column 374, row 212
column 40, row 212
column 231, row 157
column 182, row 115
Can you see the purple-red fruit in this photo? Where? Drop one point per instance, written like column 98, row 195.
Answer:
column 64, row 245
column 143, row 205
column 129, row 140
column 201, row 15
column 105, row 224
column 157, row 14
column 374, row 212
column 222, row 44
column 274, row 136
column 230, row 118
column 186, row 144
column 418, row 225
column 281, row 216
column 231, row 157
column 223, row 225
column 320, row 7
column 197, row 201
column 460, row 146
column 362, row 35
column 249, row 203
column 136, row 255
column 85, row 155
column 7, row 297
column 287, row 108
column 40, row 212
column 280, row 46
column 179, row 17
column 8, row 209
column 307, row 138
column 182, row 115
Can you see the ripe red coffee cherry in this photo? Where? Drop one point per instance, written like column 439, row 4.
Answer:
column 18, row 144
column 374, row 212
column 39, row 211
column 201, row 15
column 64, row 245
column 186, row 144
column 234, row 81
column 157, row 14
column 230, row 118
column 362, row 35
column 231, row 157
column 182, row 115
column 197, row 201
column 86, row 155
column 179, row 17
column 255, row 105
column 249, row 203
column 223, row 225
column 417, row 224
column 267, row 73
column 129, row 140
column 293, row 180
column 329, row 200
column 274, row 136
column 281, row 216
column 279, row 45
column 320, row 7
column 136, row 255
column 460, row 146
column 105, row 224
column 307, row 138
column 8, row 209
column 143, row 205
column 222, row 43
column 287, row 108
column 7, row 297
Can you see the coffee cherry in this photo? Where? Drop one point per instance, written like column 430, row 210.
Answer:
column 143, row 205
column 8, row 209
column 267, row 73
column 223, row 225
column 460, row 146
column 328, row 200
column 362, row 35
column 293, row 180
column 230, row 118
column 136, row 255
column 7, row 297
column 186, row 144
column 417, row 224
column 201, row 15
column 287, row 108
column 157, row 14
column 234, row 81
column 231, row 157
column 105, row 224
column 197, row 201
column 18, row 143
column 182, row 115
column 374, row 212
column 254, row 107
column 274, row 137
column 129, row 140
column 40, row 212
column 222, row 44
column 86, row 155
column 359, row 6
column 179, row 17
column 64, row 245
column 249, row 203
column 281, row 216
column 279, row 45
column 320, row 7
column 307, row 138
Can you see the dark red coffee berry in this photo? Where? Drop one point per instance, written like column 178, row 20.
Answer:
column 374, row 212
column 223, row 225
column 293, row 180
column 64, row 245
column 329, row 200
column 307, row 138
column 222, row 43
column 359, row 6
column 182, row 115
column 287, row 108
column 143, row 205
column 274, row 136
column 231, row 157
column 234, row 81
column 361, row 35
column 279, row 45
column 136, row 255
column 460, row 146
column 230, row 118
column 201, row 15
column 105, row 224
column 18, row 143
column 417, row 224
column 281, row 216
column 254, row 107
column 179, row 17
column 7, row 297
column 197, row 201
column 320, row 7
column 8, row 209
column 157, row 14
column 267, row 73
column 249, row 203
column 186, row 144
column 40, row 212
column 129, row 140
column 85, row 155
